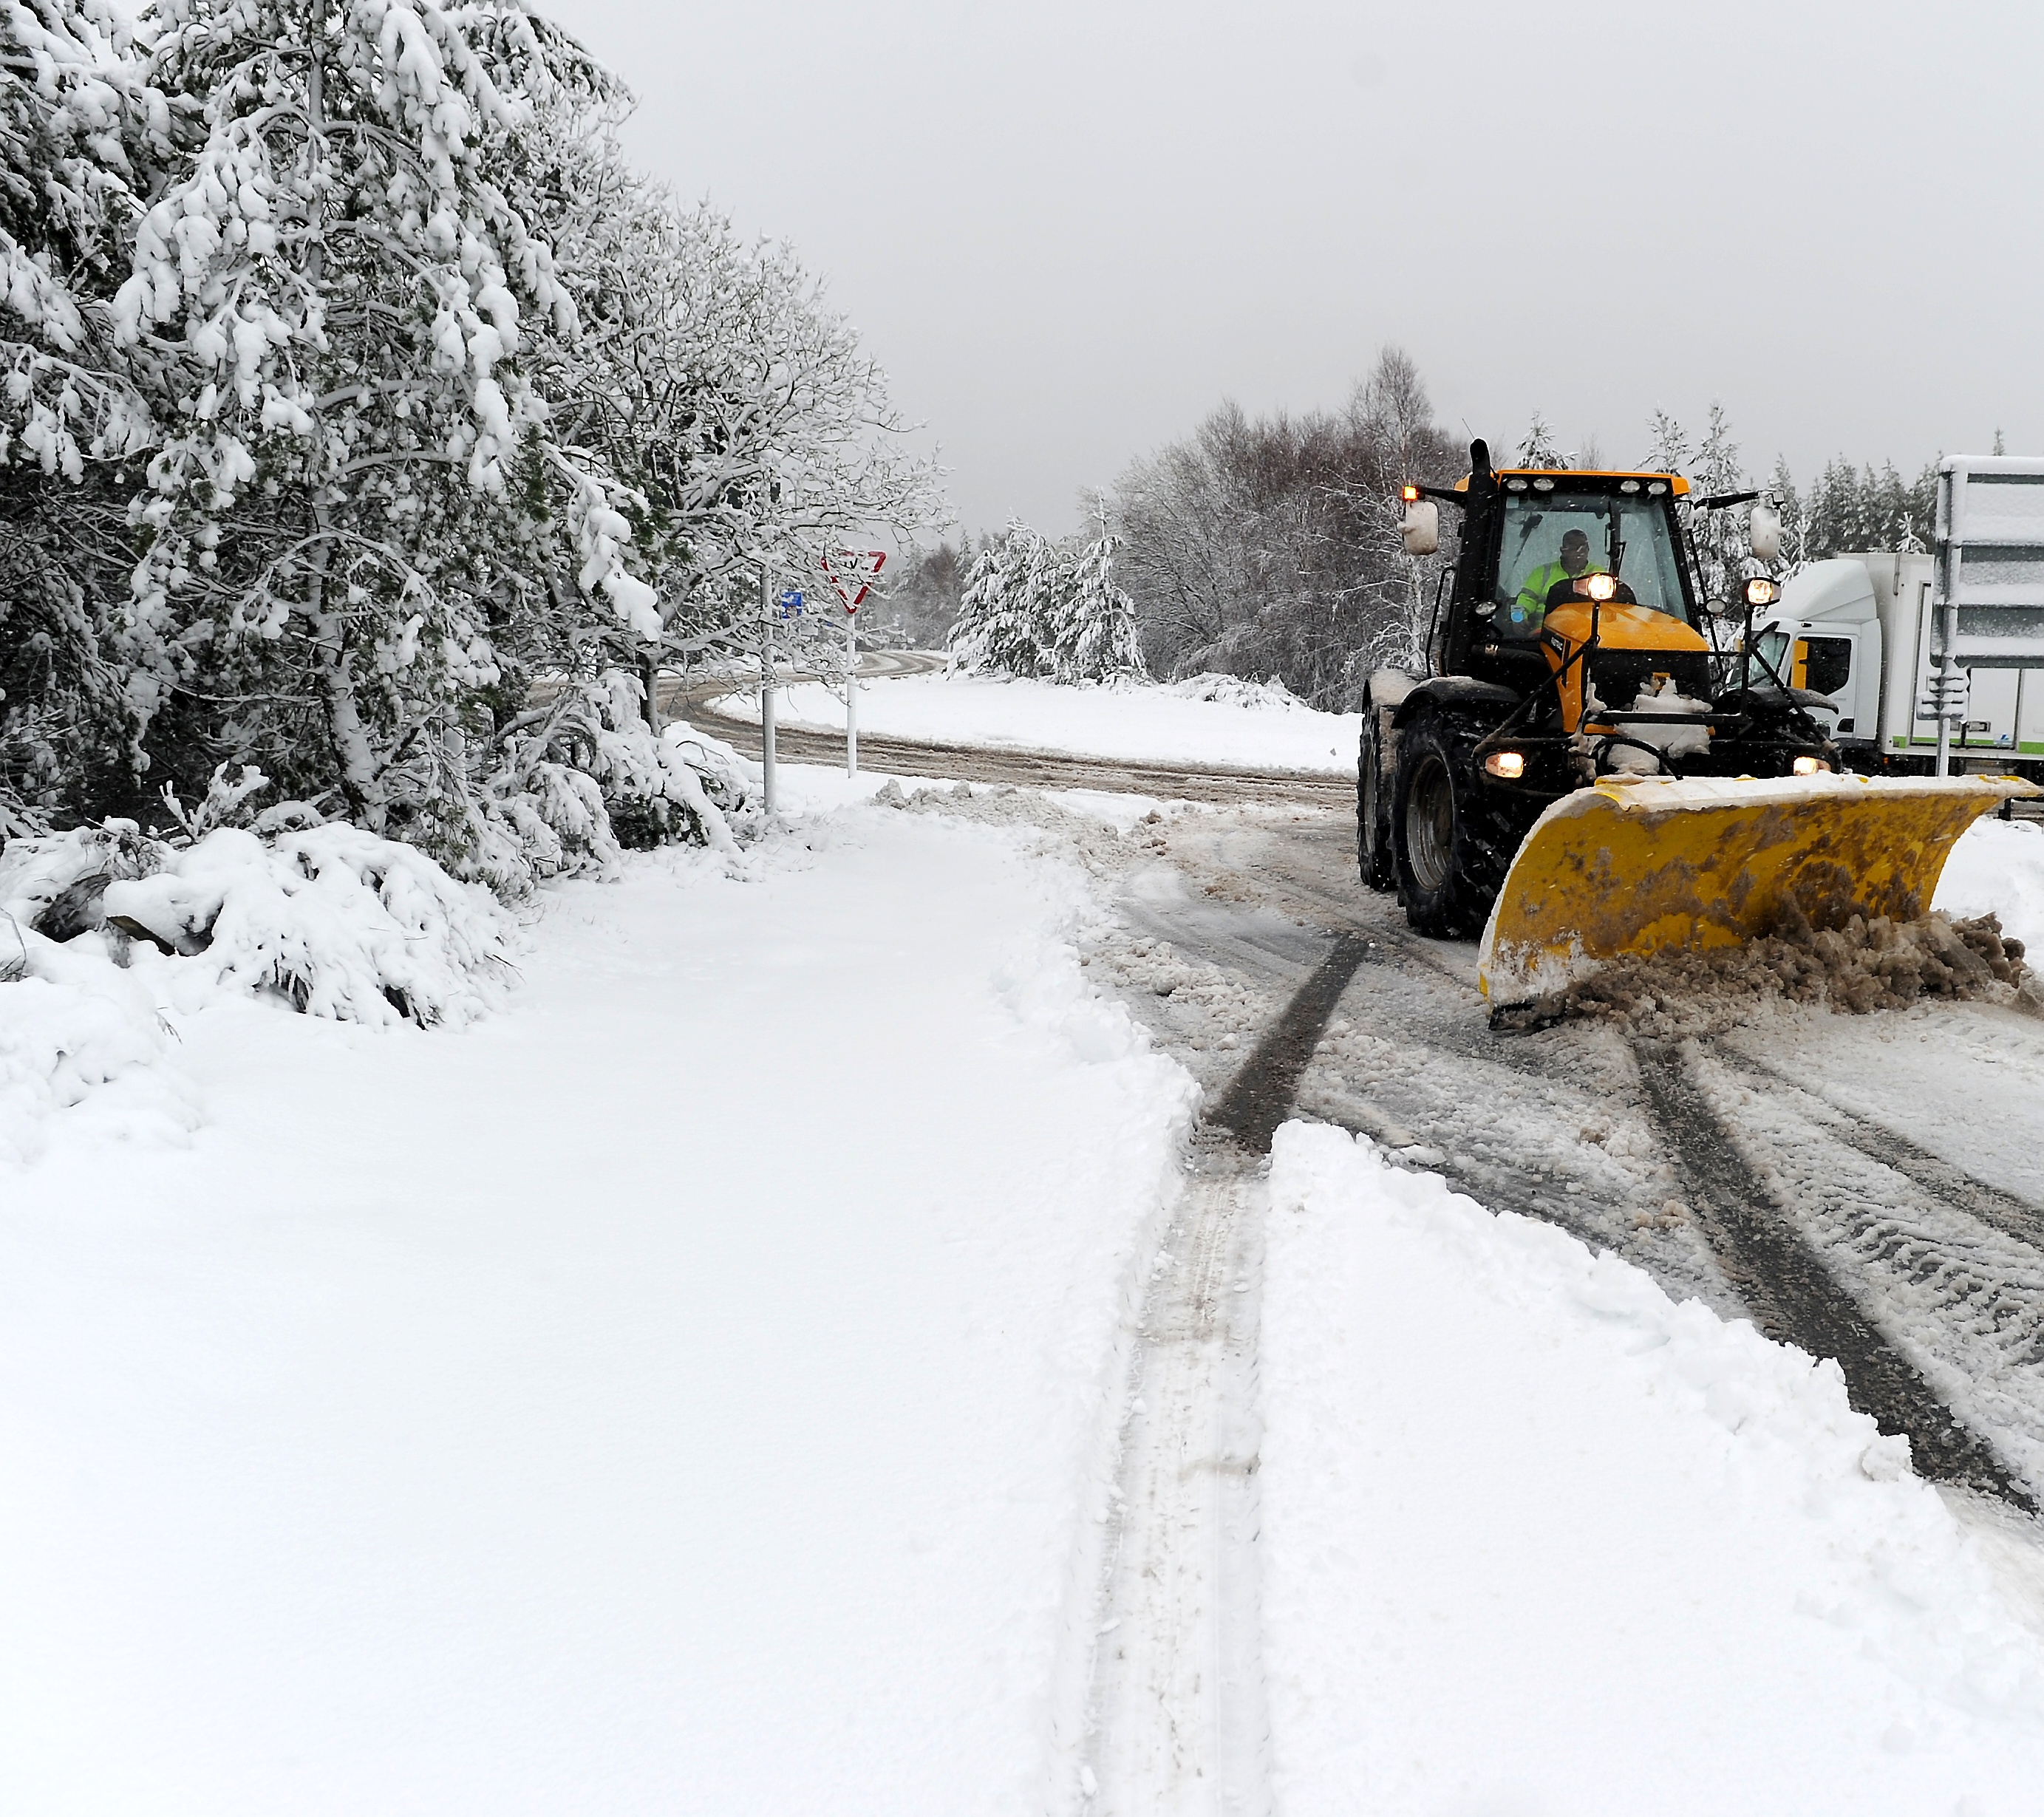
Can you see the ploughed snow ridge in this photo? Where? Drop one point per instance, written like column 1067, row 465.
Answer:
column 1535, row 1537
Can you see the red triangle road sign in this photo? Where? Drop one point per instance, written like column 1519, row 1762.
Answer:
column 850, row 572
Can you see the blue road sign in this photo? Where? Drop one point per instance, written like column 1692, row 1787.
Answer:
column 791, row 603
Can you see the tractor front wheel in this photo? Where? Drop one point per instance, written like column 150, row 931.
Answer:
column 1451, row 844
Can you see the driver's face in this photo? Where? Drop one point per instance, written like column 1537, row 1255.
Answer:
column 1575, row 552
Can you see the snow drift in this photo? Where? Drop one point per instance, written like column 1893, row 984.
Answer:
column 1536, row 1537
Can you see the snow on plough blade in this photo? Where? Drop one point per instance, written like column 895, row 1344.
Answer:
column 1627, row 867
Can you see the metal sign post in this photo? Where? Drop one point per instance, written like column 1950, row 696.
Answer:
column 851, row 690
column 850, row 572
column 767, row 690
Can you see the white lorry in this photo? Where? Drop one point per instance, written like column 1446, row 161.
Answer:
column 1886, row 639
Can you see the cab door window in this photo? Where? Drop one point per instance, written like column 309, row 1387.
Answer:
column 1824, row 663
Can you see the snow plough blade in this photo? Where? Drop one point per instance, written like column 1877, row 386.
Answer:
column 1632, row 867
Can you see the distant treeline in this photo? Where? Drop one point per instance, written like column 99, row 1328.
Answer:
column 1268, row 547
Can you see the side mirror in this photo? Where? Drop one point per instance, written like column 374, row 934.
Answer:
column 1765, row 527
column 1422, row 527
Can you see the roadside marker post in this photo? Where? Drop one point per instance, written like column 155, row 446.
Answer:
column 788, row 604
column 850, row 572
column 767, row 691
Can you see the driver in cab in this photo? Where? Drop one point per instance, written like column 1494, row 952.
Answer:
column 1531, row 607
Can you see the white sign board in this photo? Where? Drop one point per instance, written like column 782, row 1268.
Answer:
column 1991, row 558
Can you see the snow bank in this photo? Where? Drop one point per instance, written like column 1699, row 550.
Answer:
column 1244, row 724
column 1537, row 1538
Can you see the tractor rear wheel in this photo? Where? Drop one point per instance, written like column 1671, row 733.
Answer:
column 1373, row 807
column 1452, row 843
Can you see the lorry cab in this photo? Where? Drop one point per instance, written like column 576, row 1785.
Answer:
column 1824, row 635
column 1858, row 630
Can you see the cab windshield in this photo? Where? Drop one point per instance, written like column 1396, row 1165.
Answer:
column 1551, row 537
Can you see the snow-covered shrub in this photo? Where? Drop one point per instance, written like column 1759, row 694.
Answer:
column 587, row 779
column 1236, row 691
column 1034, row 607
column 71, row 1029
column 334, row 921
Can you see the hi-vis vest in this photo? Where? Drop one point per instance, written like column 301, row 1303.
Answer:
column 1531, row 606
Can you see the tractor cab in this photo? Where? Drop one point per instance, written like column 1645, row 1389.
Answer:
column 1569, row 559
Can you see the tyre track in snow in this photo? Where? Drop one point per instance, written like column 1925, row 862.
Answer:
column 1950, row 1269
column 2016, row 1216
column 1791, row 1287
column 1178, row 1717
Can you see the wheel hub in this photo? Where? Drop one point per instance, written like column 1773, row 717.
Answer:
column 1430, row 825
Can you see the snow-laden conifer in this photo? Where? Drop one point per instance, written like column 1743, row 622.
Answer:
column 1539, row 448
column 1094, row 629
column 1033, row 607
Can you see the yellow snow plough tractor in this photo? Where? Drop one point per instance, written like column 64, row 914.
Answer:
column 1595, row 762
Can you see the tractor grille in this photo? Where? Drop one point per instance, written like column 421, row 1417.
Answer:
column 1620, row 674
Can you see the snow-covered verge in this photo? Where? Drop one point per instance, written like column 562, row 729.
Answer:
column 686, row 1389
column 1538, row 1539
column 1244, row 724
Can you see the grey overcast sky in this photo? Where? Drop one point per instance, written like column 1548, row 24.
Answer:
column 1068, row 230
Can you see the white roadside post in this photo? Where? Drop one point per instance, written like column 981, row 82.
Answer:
column 851, row 690
column 767, row 688
column 850, row 573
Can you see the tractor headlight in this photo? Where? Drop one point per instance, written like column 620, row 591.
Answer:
column 1510, row 765
column 1762, row 592
column 1808, row 766
column 1599, row 586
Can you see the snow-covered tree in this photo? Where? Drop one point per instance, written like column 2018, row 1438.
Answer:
column 747, row 420
column 1667, row 448
column 86, row 136
column 1038, row 607
column 363, row 480
column 1539, row 448
column 1093, row 634
column 1795, row 517
column 1723, row 547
